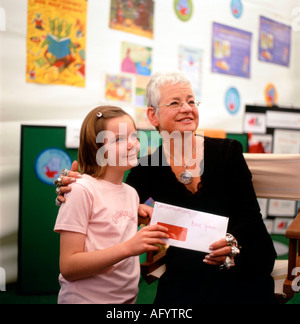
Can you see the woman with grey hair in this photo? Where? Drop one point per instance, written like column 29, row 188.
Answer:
column 208, row 175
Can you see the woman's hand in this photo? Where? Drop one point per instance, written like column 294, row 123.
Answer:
column 66, row 181
column 219, row 251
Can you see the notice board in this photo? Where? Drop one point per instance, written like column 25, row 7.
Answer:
column 43, row 155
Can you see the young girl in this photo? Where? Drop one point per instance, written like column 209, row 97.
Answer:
column 99, row 242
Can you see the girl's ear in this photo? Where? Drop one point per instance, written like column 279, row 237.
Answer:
column 153, row 116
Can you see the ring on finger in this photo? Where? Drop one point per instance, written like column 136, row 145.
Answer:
column 234, row 251
column 57, row 202
column 58, row 182
column 65, row 172
column 58, row 192
column 230, row 239
column 227, row 264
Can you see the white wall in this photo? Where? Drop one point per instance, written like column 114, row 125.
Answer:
column 22, row 102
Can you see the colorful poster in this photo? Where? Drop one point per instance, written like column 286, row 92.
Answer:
column 136, row 59
column 274, row 42
column 191, row 64
column 56, row 42
column 119, row 88
column 231, row 51
column 132, row 16
column 141, row 118
column 183, row 9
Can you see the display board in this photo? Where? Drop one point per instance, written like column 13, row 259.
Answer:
column 274, row 130
column 43, row 155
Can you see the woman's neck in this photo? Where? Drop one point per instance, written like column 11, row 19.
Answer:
column 180, row 146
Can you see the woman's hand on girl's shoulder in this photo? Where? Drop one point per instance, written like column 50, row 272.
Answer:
column 66, row 181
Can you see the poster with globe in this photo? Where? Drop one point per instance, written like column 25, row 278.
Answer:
column 132, row 16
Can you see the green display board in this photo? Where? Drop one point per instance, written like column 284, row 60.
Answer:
column 43, row 155
column 242, row 138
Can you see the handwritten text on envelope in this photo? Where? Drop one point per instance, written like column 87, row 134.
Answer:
column 188, row 228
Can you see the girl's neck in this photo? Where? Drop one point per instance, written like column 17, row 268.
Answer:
column 113, row 175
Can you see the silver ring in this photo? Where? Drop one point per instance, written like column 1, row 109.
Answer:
column 58, row 182
column 234, row 251
column 57, row 202
column 58, row 192
column 65, row 172
column 230, row 239
column 227, row 264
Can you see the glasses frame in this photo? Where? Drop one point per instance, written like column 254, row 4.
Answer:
column 197, row 104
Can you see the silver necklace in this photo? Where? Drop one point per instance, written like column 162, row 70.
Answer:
column 185, row 177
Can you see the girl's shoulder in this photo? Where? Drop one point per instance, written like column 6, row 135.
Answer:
column 129, row 188
column 84, row 182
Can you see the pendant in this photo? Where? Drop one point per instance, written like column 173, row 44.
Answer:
column 186, row 177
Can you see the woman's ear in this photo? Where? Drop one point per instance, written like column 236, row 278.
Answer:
column 153, row 116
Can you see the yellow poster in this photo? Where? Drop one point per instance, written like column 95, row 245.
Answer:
column 56, row 42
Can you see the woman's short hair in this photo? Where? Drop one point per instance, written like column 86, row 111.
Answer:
column 91, row 127
column 157, row 81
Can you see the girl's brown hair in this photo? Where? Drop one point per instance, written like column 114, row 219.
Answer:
column 91, row 127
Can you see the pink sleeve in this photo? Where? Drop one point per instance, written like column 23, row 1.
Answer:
column 75, row 213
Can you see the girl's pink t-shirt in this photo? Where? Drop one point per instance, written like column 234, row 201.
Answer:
column 107, row 214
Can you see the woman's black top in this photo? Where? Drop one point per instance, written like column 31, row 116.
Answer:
column 226, row 189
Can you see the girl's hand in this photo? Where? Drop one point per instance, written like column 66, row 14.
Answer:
column 146, row 239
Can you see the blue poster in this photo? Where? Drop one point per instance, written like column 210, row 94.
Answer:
column 274, row 42
column 231, row 52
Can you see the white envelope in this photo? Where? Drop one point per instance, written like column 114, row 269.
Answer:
column 188, row 228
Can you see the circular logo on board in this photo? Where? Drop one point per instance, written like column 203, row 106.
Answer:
column 237, row 8
column 49, row 164
column 233, row 101
column 183, row 9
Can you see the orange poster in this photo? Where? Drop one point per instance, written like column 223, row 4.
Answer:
column 56, row 42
